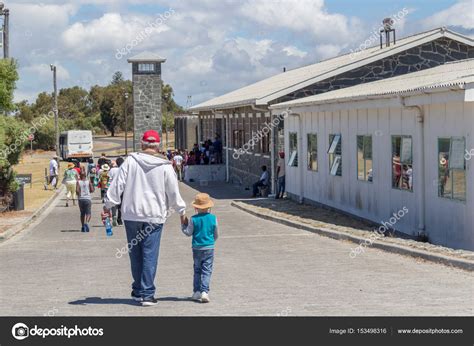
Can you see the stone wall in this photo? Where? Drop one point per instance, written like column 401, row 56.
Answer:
column 146, row 105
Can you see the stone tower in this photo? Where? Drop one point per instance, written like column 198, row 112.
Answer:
column 146, row 80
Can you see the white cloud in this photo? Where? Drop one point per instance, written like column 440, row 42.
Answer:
column 294, row 51
column 460, row 14
column 43, row 72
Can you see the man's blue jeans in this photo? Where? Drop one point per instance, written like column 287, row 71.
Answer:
column 144, row 247
column 281, row 187
column 203, row 260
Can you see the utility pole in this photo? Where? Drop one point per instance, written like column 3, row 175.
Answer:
column 126, row 122
column 6, row 14
column 55, row 109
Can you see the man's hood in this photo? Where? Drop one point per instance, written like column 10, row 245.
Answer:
column 148, row 162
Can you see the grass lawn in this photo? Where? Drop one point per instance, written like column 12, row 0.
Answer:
column 35, row 164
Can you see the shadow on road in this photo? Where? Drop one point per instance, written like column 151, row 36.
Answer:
column 125, row 301
column 99, row 300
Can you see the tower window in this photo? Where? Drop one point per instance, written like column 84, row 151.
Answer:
column 146, row 67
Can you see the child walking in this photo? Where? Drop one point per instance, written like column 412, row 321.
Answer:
column 84, row 188
column 203, row 228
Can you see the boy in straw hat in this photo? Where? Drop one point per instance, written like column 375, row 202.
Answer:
column 203, row 228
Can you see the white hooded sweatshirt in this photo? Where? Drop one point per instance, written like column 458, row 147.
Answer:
column 150, row 189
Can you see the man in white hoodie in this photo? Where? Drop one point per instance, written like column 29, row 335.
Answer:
column 150, row 190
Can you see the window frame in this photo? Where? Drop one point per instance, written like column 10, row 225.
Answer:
column 452, row 198
column 294, row 162
column 149, row 67
column 401, row 163
column 309, row 153
column 365, row 179
column 333, row 156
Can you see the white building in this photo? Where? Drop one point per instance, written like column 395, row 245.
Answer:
column 399, row 145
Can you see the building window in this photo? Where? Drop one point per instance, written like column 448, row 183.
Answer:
column 146, row 67
column 364, row 158
column 402, row 163
column 335, row 154
column 265, row 143
column 313, row 152
column 238, row 139
column 452, row 168
column 293, row 160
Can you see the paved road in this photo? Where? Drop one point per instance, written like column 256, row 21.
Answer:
column 261, row 268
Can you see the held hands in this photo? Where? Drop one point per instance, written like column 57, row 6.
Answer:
column 184, row 220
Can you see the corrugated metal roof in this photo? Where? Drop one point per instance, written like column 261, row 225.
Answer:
column 451, row 74
column 260, row 93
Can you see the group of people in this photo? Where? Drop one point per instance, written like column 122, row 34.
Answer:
column 147, row 189
column 143, row 190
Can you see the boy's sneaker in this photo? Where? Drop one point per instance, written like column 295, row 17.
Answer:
column 83, row 228
column 149, row 301
column 196, row 296
column 67, row 204
column 205, row 297
column 136, row 298
column 114, row 222
column 86, row 227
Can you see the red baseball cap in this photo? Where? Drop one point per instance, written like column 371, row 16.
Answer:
column 151, row 136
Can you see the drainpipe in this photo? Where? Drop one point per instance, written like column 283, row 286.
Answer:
column 227, row 135
column 420, row 175
column 300, row 155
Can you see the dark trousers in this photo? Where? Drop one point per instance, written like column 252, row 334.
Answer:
column 256, row 186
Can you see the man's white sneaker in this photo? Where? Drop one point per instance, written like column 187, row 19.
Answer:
column 205, row 297
column 196, row 296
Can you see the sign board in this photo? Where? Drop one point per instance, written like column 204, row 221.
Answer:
column 24, row 179
column 456, row 153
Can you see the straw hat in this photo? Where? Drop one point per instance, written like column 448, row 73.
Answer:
column 202, row 201
column 105, row 167
column 71, row 165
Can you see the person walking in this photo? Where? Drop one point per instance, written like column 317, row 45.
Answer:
column 53, row 172
column 150, row 190
column 203, row 228
column 70, row 180
column 104, row 180
column 112, row 175
column 84, row 188
column 281, row 175
column 178, row 164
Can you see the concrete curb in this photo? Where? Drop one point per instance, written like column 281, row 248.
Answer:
column 394, row 248
column 22, row 226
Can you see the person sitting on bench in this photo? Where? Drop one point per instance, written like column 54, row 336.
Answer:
column 262, row 182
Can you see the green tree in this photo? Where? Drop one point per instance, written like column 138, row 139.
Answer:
column 8, row 78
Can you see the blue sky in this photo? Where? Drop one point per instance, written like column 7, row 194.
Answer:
column 211, row 46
